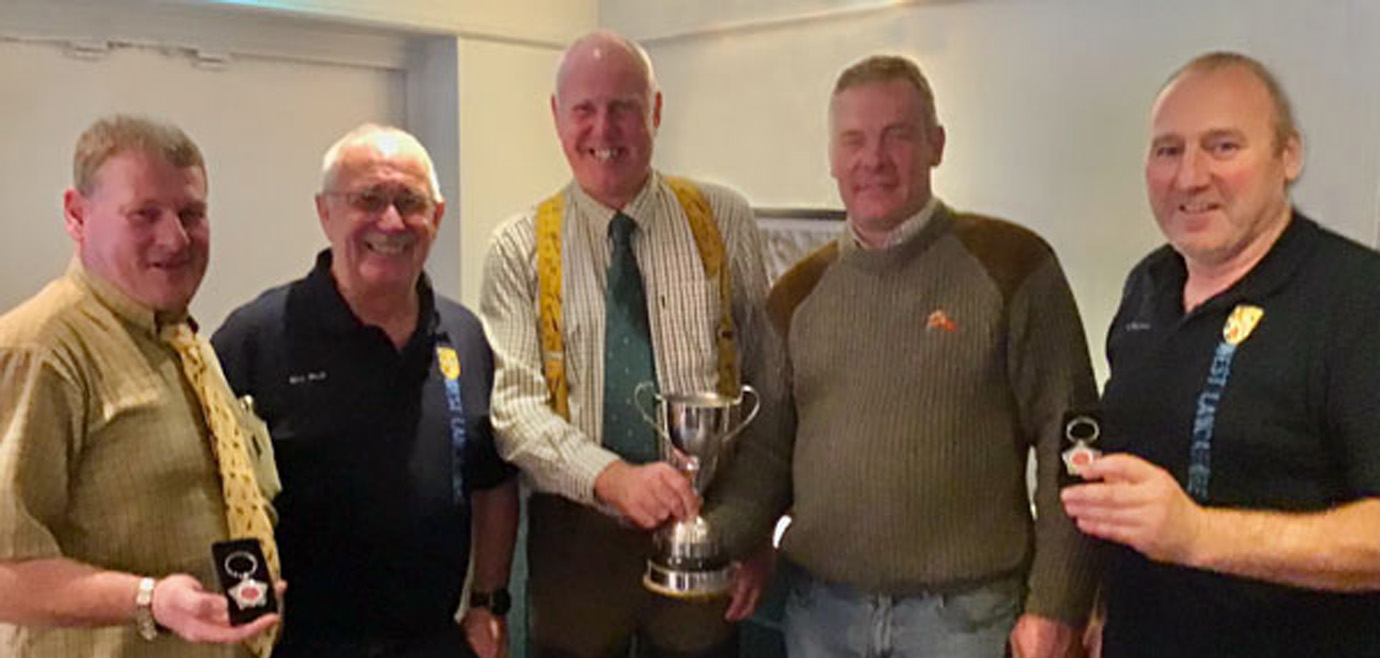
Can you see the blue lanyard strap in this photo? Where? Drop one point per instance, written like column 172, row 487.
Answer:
column 448, row 362
column 1238, row 328
column 1205, row 421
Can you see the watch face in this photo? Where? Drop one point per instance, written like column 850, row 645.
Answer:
column 143, row 610
column 501, row 602
column 497, row 602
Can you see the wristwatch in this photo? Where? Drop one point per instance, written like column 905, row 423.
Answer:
column 498, row 601
column 143, row 610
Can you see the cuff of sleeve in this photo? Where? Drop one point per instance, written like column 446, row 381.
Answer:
column 1070, row 601
column 27, row 541
column 734, row 531
column 586, row 463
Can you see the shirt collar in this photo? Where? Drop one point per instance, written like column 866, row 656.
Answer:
column 642, row 208
column 332, row 313
column 122, row 305
column 1169, row 273
column 907, row 228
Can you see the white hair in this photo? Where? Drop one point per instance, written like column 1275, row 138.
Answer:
column 386, row 139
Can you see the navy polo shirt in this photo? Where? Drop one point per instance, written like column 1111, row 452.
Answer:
column 373, row 545
column 1288, row 418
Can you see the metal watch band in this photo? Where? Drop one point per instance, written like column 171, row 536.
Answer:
column 143, row 610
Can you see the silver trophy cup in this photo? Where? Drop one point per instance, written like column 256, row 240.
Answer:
column 696, row 430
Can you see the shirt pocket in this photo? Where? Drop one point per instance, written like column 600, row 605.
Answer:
column 684, row 324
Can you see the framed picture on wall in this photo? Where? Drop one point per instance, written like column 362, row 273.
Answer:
column 790, row 234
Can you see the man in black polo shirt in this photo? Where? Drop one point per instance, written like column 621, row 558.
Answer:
column 1244, row 399
column 376, row 392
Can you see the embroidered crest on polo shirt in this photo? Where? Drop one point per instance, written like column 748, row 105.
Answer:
column 1241, row 323
column 448, row 361
column 938, row 319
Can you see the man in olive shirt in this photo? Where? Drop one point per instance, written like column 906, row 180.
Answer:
column 110, row 497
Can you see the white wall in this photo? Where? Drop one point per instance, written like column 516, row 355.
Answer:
column 265, row 87
column 501, row 153
column 510, row 157
column 550, row 22
column 262, row 125
column 1045, row 102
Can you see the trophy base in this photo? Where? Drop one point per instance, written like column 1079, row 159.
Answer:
column 682, row 584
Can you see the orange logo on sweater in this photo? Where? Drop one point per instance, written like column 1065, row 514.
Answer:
column 940, row 320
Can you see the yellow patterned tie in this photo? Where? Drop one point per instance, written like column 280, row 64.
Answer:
column 246, row 510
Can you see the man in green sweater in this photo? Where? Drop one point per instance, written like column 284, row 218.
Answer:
column 929, row 351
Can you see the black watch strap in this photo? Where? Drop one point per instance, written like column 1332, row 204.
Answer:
column 497, row 602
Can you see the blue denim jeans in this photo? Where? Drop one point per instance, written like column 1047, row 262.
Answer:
column 826, row 620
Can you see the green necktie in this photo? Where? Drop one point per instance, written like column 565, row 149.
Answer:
column 628, row 357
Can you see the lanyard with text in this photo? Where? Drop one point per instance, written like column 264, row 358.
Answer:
column 448, row 362
column 1238, row 328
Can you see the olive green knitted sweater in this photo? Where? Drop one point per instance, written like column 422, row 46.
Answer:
column 919, row 377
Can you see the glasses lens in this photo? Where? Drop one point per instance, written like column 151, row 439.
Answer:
column 409, row 204
column 370, row 201
column 377, row 201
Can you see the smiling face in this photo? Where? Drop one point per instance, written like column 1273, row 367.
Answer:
column 606, row 115
column 881, row 150
column 1217, row 173
column 142, row 227
column 380, row 215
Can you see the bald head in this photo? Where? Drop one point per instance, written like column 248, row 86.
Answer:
column 606, row 50
column 1282, row 120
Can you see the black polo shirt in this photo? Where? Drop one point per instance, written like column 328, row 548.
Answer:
column 373, row 545
column 1292, row 417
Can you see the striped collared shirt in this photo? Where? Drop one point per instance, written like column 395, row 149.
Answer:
column 683, row 308
column 908, row 227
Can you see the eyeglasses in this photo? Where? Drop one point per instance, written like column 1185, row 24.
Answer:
column 376, row 201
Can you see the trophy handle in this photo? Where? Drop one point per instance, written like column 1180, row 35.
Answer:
column 642, row 409
column 748, row 391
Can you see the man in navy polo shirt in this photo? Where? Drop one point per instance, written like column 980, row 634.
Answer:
column 376, row 392
column 1242, row 498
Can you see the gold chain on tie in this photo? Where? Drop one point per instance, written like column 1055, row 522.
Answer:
column 245, row 508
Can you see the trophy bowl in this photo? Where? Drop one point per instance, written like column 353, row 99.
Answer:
column 697, row 432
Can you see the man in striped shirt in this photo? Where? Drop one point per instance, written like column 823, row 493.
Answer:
column 596, row 499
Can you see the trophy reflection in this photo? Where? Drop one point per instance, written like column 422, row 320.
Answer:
column 696, row 431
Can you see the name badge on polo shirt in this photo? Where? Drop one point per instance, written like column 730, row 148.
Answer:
column 297, row 379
